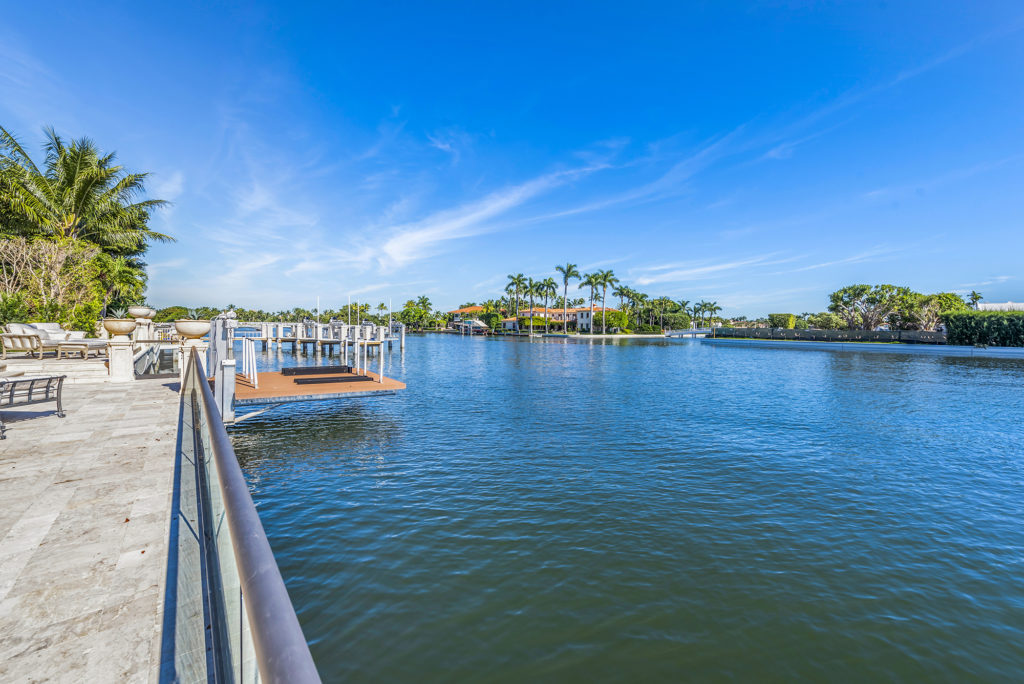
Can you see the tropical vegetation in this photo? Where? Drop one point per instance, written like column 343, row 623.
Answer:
column 74, row 229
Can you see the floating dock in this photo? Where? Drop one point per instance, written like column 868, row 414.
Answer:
column 278, row 388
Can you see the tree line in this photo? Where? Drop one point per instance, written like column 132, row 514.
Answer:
column 634, row 311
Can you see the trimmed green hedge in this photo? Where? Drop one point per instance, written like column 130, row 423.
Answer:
column 787, row 321
column 993, row 328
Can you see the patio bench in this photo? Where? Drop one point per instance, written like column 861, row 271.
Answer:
column 27, row 391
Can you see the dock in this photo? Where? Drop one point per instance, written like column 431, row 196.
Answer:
column 277, row 388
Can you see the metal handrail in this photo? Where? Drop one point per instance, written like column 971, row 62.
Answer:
column 282, row 653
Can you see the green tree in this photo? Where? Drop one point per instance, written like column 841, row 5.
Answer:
column 517, row 282
column 974, row 298
column 591, row 281
column 549, row 288
column 122, row 282
column 79, row 193
column 568, row 272
column 607, row 279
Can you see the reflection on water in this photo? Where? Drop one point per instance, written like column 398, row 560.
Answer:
column 629, row 509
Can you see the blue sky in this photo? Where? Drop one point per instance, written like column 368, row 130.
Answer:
column 756, row 154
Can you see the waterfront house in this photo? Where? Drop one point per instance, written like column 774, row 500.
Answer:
column 466, row 313
column 577, row 317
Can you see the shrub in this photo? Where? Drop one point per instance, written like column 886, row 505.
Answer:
column 785, row 320
column 13, row 308
column 993, row 328
column 826, row 320
column 491, row 320
column 677, row 321
column 801, row 324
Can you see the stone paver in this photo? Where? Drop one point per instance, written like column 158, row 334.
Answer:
column 85, row 507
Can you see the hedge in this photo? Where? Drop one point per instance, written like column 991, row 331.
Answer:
column 992, row 328
column 787, row 321
column 905, row 336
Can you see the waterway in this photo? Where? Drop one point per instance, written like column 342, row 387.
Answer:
column 552, row 510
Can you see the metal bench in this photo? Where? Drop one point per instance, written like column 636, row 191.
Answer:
column 27, row 391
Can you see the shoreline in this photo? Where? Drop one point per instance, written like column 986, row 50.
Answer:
column 874, row 347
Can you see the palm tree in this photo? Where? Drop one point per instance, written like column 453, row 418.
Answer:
column 593, row 281
column 712, row 309
column 607, row 279
column 517, row 283
column 641, row 300
column 549, row 288
column 683, row 303
column 79, row 194
column 119, row 278
column 530, row 291
column 697, row 313
column 569, row 272
column 975, row 297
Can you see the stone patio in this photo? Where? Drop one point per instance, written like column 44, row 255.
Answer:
column 84, row 524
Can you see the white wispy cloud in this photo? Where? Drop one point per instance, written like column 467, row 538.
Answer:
column 420, row 239
column 868, row 255
column 693, row 271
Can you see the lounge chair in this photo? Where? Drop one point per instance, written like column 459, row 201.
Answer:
column 39, row 338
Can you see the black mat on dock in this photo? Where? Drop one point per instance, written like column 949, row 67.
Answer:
column 316, row 370
column 316, row 381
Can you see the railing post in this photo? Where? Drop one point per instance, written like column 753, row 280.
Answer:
column 226, row 390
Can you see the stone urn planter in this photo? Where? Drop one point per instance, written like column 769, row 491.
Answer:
column 139, row 311
column 119, row 326
column 152, row 313
column 191, row 329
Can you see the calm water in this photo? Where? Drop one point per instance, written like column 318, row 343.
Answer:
column 648, row 510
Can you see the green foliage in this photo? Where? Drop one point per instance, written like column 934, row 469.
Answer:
column 826, row 320
column 78, row 192
column 491, row 320
column 782, row 320
column 615, row 320
column 13, row 308
column 992, row 328
column 119, row 313
column 676, row 321
column 801, row 324
column 170, row 314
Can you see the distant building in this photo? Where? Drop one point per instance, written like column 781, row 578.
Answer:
column 1000, row 306
column 468, row 312
column 579, row 316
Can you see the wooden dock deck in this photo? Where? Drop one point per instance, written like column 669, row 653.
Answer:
column 276, row 388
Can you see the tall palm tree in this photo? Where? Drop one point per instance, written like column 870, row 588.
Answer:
column 683, row 303
column 79, row 193
column 607, row 279
column 697, row 313
column 549, row 288
column 569, row 272
column 975, row 297
column 641, row 301
column 592, row 281
column 530, row 291
column 517, row 282
column 712, row 309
